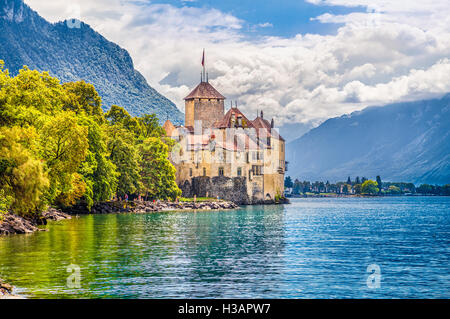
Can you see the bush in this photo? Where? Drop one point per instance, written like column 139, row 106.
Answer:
column 369, row 187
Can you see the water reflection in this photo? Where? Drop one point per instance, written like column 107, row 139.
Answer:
column 313, row 248
column 202, row 254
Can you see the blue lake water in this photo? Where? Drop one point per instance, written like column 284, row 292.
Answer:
column 312, row 248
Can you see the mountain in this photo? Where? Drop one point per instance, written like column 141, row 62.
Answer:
column 73, row 51
column 401, row 142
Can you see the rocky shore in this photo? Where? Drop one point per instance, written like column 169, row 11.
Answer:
column 142, row 207
column 6, row 291
column 14, row 224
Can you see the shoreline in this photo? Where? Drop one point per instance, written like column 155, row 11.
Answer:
column 143, row 207
column 14, row 224
column 356, row 196
column 7, row 291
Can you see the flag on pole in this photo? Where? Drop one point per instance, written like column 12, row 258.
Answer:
column 203, row 59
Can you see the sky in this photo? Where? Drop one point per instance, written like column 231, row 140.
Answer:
column 301, row 62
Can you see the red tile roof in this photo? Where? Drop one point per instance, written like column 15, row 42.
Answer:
column 259, row 123
column 225, row 122
column 204, row 91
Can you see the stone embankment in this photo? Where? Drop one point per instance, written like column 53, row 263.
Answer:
column 142, row 207
column 14, row 224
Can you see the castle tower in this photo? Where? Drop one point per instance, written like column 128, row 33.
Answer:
column 204, row 103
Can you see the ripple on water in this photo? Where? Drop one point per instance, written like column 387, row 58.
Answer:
column 313, row 248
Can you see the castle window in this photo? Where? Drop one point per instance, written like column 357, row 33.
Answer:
column 239, row 171
column 204, row 171
column 257, row 170
column 190, row 172
column 220, row 171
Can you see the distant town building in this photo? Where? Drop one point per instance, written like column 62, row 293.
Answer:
column 226, row 155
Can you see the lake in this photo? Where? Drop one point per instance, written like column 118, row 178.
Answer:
column 312, row 248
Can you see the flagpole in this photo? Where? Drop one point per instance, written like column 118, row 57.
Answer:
column 203, row 64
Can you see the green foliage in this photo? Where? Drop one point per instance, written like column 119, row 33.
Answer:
column 22, row 177
column 345, row 188
column 288, row 182
column 158, row 174
column 64, row 145
column 379, row 183
column 29, row 95
column 369, row 187
column 446, row 190
column 425, row 189
column 57, row 147
column 5, row 203
column 81, row 97
column 119, row 116
column 125, row 156
column 394, row 190
column 98, row 171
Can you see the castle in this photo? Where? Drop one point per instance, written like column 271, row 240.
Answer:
column 226, row 155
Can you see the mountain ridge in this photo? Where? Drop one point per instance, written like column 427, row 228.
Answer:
column 406, row 141
column 78, row 53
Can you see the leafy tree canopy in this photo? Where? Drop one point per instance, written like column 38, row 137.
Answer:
column 57, row 147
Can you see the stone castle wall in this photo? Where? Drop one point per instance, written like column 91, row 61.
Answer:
column 229, row 188
column 208, row 111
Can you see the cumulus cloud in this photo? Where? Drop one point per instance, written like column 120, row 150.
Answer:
column 391, row 52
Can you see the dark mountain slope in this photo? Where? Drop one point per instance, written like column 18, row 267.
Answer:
column 73, row 54
column 401, row 142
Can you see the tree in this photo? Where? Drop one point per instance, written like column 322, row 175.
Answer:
column 119, row 116
column 358, row 188
column 81, row 97
column 97, row 170
column 124, row 154
column 28, row 96
column 157, row 173
column 5, row 203
column 369, row 187
column 149, row 125
column 349, row 181
column 425, row 189
column 446, row 190
column 394, row 190
column 22, row 177
column 288, row 182
column 357, row 181
column 345, row 188
column 64, row 145
column 379, row 184
column 58, row 147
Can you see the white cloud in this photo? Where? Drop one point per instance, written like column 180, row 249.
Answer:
column 392, row 52
column 265, row 25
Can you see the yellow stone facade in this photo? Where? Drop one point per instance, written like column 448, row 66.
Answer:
column 226, row 155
